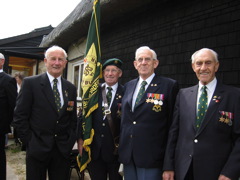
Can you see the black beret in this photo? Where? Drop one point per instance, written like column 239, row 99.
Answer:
column 114, row 62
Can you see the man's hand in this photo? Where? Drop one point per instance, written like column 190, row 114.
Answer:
column 222, row 177
column 80, row 146
column 168, row 175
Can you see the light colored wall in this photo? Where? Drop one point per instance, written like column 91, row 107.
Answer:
column 76, row 53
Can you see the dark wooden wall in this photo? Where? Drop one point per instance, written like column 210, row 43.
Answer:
column 175, row 30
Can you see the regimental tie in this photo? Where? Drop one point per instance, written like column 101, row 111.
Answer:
column 109, row 95
column 202, row 106
column 140, row 93
column 56, row 94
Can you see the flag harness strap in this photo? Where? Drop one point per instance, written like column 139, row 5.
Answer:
column 107, row 112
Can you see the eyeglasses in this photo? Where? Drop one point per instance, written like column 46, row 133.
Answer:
column 111, row 70
column 146, row 59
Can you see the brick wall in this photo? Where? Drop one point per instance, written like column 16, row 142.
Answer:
column 175, row 30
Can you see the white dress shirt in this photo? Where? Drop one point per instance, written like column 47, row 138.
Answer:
column 210, row 90
column 148, row 80
column 59, row 86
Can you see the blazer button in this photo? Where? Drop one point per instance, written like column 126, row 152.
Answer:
column 102, row 135
column 195, row 140
column 55, row 135
column 131, row 136
column 103, row 124
column 134, row 122
column 57, row 122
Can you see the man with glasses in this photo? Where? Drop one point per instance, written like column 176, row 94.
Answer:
column 147, row 107
column 106, row 125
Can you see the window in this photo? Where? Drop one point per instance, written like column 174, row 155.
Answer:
column 77, row 78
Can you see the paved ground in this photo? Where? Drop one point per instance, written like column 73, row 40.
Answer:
column 16, row 160
column 10, row 174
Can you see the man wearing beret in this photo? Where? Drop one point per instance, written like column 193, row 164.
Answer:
column 106, row 124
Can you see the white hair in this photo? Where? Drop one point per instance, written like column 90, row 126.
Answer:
column 154, row 55
column 53, row 48
column 215, row 55
column 2, row 56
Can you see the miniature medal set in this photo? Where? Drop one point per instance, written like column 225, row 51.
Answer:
column 226, row 117
column 156, row 100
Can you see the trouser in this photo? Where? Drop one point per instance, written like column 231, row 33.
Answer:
column 101, row 170
column 56, row 166
column 2, row 157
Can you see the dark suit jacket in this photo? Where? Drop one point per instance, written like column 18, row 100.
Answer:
column 144, row 132
column 8, row 95
column 39, row 124
column 214, row 148
column 103, row 144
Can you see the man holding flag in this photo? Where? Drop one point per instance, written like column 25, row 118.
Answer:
column 106, row 124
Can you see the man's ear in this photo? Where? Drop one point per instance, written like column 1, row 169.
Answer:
column 135, row 64
column 156, row 63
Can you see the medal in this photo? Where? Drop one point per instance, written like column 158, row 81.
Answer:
column 155, row 102
column 149, row 99
column 230, row 115
column 160, row 103
column 222, row 119
column 216, row 99
column 157, row 108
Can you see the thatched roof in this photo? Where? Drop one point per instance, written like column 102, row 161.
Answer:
column 76, row 24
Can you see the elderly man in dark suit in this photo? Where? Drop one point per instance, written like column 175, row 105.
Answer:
column 204, row 139
column 106, row 124
column 45, row 118
column 147, row 107
column 8, row 94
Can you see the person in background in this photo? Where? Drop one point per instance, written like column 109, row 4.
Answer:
column 204, row 139
column 106, row 125
column 45, row 118
column 147, row 107
column 19, row 76
column 8, row 94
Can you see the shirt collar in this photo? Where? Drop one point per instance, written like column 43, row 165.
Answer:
column 114, row 87
column 210, row 86
column 1, row 70
column 148, row 80
column 51, row 78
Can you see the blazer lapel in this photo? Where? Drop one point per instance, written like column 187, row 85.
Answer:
column 47, row 91
column 65, row 95
column 193, row 104
column 133, row 84
column 213, row 106
column 118, row 96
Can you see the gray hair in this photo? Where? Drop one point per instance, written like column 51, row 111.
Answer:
column 215, row 55
column 154, row 55
column 53, row 48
